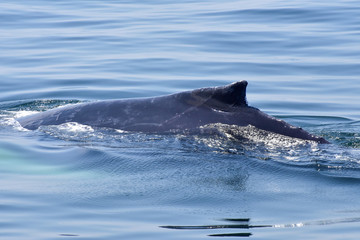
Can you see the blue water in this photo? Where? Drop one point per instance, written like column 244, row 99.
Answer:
column 302, row 62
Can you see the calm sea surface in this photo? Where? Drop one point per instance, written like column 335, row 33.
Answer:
column 302, row 62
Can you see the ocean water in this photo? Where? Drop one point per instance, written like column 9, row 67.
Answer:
column 302, row 62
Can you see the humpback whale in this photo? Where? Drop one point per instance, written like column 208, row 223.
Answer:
column 187, row 110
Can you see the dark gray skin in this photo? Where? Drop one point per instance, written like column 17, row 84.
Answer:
column 181, row 111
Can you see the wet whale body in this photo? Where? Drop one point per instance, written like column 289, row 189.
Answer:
column 181, row 111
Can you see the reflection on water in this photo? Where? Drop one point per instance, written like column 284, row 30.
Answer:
column 245, row 224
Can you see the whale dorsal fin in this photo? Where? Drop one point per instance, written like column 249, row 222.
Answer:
column 233, row 94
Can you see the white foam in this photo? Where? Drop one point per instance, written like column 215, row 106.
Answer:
column 20, row 114
column 75, row 127
column 8, row 119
